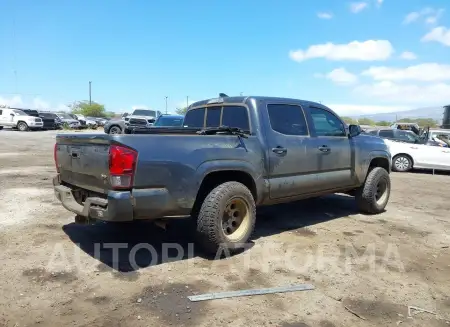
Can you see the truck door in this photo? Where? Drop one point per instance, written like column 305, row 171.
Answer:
column 333, row 150
column 289, row 151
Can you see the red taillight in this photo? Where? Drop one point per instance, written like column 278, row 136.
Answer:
column 55, row 157
column 122, row 162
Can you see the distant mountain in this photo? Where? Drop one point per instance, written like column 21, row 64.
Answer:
column 429, row 112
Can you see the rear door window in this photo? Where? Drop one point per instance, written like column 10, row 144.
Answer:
column 287, row 119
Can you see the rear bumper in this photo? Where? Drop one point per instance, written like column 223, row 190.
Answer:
column 121, row 206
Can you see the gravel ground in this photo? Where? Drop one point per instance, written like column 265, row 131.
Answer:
column 367, row 270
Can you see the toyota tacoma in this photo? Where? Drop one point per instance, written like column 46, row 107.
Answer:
column 231, row 155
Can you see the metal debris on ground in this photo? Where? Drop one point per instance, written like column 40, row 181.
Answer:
column 223, row 295
column 354, row 313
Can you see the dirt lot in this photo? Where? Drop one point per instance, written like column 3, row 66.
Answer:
column 367, row 270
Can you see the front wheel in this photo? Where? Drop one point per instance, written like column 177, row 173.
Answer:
column 115, row 130
column 22, row 126
column 373, row 196
column 401, row 163
column 227, row 218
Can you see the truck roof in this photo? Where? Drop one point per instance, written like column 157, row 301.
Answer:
column 244, row 99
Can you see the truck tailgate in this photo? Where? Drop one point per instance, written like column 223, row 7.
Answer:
column 83, row 160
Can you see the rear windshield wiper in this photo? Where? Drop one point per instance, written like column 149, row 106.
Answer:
column 224, row 129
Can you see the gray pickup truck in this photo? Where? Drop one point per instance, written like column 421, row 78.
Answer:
column 231, row 155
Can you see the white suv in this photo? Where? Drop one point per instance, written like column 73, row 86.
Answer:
column 15, row 118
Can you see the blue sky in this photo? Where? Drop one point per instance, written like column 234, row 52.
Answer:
column 360, row 56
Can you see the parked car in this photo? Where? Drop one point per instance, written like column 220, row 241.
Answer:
column 114, row 126
column 141, row 118
column 231, row 155
column 439, row 136
column 85, row 122
column 68, row 120
column 165, row 120
column 100, row 121
column 402, row 135
column 51, row 120
column 407, row 127
column 406, row 156
column 15, row 118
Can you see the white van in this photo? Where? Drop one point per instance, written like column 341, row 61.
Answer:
column 15, row 118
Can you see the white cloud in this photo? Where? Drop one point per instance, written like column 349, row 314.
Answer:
column 355, row 109
column 431, row 16
column 430, row 94
column 341, row 76
column 427, row 72
column 379, row 2
column 37, row 103
column 411, row 17
column 438, row 34
column 325, row 15
column 370, row 50
column 408, row 55
column 356, row 7
column 15, row 101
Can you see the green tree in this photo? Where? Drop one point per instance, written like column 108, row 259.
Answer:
column 349, row 120
column 181, row 111
column 366, row 121
column 383, row 123
column 85, row 108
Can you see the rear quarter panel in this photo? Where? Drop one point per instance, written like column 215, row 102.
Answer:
column 180, row 162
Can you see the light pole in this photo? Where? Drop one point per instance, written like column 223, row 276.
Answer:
column 187, row 101
column 166, row 105
column 90, row 94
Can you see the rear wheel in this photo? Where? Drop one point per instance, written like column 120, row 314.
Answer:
column 115, row 130
column 401, row 163
column 227, row 218
column 22, row 126
column 373, row 196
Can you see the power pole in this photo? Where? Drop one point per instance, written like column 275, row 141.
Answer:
column 166, row 105
column 187, row 101
column 90, row 93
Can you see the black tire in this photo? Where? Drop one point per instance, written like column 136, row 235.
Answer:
column 210, row 227
column 373, row 196
column 115, row 130
column 401, row 163
column 22, row 126
column 81, row 220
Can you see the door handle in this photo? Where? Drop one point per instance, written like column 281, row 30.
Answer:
column 414, row 147
column 324, row 148
column 279, row 150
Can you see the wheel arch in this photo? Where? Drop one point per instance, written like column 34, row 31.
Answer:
column 212, row 179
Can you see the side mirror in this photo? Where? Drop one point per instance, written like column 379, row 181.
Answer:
column 354, row 130
column 12, row 114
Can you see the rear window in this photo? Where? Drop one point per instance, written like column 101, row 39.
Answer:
column 213, row 116
column 231, row 116
column 388, row 133
column 195, row 118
